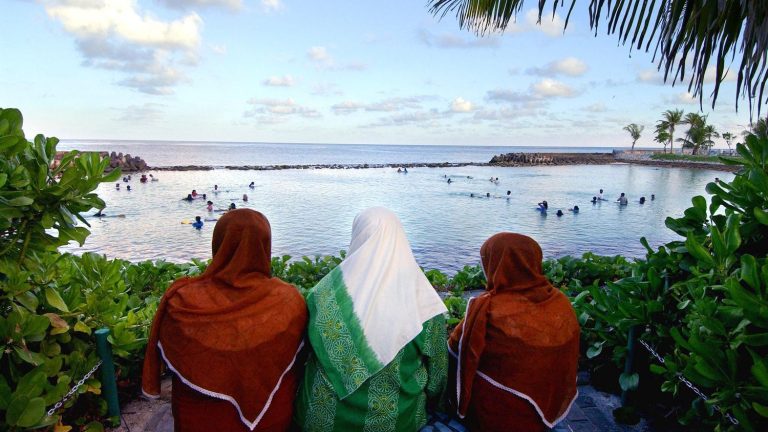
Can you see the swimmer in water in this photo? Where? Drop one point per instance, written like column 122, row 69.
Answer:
column 210, row 206
column 198, row 224
column 449, row 181
column 472, row 195
column 594, row 200
column 216, row 187
column 128, row 187
column 405, row 170
column 232, row 206
column 622, row 199
column 600, row 196
column 194, row 193
column 488, row 195
column 99, row 213
column 509, row 193
column 143, row 178
column 252, row 185
column 117, row 186
column 559, row 213
column 245, row 198
column 575, row 209
column 642, row 200
column 399, row 170
column 188, row 198
column 544, row 206
column 653, row 197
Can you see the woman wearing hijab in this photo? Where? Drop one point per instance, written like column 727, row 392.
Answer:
column 518, row 345
column 231, row 336
column 377, row 332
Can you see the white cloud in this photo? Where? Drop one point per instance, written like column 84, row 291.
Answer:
column 326, row 89
column 347, row 107
column 711, row 73
column 551, row 26
column 146, row 113
column 218, row 49
column 322, row 59
column 277, row 110
column 449, row 40
column 271, row 5
column 551, row 88
column 570, row 66
column 319, row 54
column 279, row 81
column 504, row 95
column 685, row 98
column 650, row 76
column 188, row 4
column 116, row 35
column 596, row 107
column 461, row 105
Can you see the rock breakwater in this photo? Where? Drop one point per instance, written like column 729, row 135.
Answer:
column 537, row 159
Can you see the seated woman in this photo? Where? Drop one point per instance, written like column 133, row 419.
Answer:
column 518, row 345
column 231, row 337
column 377, row 331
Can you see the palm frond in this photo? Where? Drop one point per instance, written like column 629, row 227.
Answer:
column 686, row 36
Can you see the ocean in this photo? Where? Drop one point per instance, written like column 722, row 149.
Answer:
column 311, row 210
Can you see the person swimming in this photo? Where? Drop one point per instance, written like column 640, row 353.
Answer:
column 600, row 196
column 575, row 209
column 232, row 206
column 594, row 200
column 198, row 223
column 509, row 193
column 471, row 195
column 245, row 198
column 128, row 187
column 188, row 198
column 653, row 197
column 252, row 185
column 405, row 170
column 153, row 178
column 143, row 178
column 194, row 193
column 215, row 187
column 210, row 206
column 642, row 200
column 99, row 213
column 449, row 181
column 399, row 170
column 117, row 186
column 559, row 213
column 543, row 206
column 622, row 199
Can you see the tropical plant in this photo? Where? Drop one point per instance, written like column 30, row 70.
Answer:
column 699, row 134
column 662, row 135
column 728, row 137
column 708, row 32
column 670, row 120
column 634, row 131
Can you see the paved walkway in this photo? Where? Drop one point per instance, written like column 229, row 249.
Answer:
column 591, row 412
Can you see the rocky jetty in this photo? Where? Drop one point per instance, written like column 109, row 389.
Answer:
column 126, row 163
column 536, row 159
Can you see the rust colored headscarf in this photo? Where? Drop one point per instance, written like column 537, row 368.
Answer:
column 521, row 335
column 233, row 332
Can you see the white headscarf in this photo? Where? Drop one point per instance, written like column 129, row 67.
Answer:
column 391, row 296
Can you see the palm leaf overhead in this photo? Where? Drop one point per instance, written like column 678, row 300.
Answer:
column 686, row 36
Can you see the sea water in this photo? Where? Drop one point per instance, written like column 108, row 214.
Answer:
column 311, row 211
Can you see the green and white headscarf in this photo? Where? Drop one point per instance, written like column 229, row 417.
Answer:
column 370, row 306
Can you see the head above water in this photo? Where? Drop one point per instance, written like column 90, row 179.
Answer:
column 509, row 192
column 210, row 203
column 197, row 218
column 601, row 191
column 622, row 194
column 232, row 206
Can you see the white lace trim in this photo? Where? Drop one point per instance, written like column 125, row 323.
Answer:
column 228, row 398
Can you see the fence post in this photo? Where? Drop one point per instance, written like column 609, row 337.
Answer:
column 108, row 384
column 629, row 363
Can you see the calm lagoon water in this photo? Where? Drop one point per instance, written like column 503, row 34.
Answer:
column 311, row 211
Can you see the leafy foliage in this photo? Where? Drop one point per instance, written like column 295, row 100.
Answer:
column 688, row 36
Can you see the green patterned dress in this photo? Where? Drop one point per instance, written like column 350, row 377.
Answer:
column 393, row 399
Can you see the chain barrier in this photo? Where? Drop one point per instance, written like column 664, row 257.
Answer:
column 689, row 384
column 74, row 389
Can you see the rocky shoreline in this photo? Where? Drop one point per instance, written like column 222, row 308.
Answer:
column 132, row 164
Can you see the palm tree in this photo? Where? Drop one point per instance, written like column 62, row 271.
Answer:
column 678, row 30
column 662, row 135
column 634, row 131
column 672, row 118
column 728, row 137
column 699, row 134
column 711, row 132
column 760, row 128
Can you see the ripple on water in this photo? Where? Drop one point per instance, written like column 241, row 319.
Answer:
column 311, row 211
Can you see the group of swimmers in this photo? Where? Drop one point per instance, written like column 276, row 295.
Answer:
column 198, row 223
column 543, row 206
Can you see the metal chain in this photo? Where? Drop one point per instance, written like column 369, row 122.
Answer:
column 689, row 384
column 74, row 389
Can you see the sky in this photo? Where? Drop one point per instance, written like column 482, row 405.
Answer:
column 330, row 71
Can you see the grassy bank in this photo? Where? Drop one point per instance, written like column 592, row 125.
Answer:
column 690, row 158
